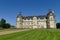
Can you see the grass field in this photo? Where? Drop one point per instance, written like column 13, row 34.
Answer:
column 43, row 34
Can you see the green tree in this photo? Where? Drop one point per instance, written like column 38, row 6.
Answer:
column 2, row 23
column 8, row 25
column 58, row 25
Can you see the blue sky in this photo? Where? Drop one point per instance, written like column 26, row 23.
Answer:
column 9, row 8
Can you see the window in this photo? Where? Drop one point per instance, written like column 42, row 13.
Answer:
column 51, row 17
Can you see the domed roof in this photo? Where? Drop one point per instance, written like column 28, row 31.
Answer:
column 51, row 12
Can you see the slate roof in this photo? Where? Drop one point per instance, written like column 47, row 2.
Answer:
column 31, row 17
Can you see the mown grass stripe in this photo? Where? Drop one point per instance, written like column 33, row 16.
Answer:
column 24, row 36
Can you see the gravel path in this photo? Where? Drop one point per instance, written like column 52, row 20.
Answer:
column 11, row 31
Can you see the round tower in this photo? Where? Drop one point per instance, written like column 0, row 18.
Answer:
column 51, row 21
column 19, row 20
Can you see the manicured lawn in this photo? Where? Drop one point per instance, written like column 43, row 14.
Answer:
column 43, row 34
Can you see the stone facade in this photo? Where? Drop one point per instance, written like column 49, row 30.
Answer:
column 34, row 22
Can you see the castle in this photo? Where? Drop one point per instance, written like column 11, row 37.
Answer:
column 34, row 22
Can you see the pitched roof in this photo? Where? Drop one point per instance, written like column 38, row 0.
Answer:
column 31, row 17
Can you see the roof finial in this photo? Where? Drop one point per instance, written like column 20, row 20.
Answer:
column 20, row 13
